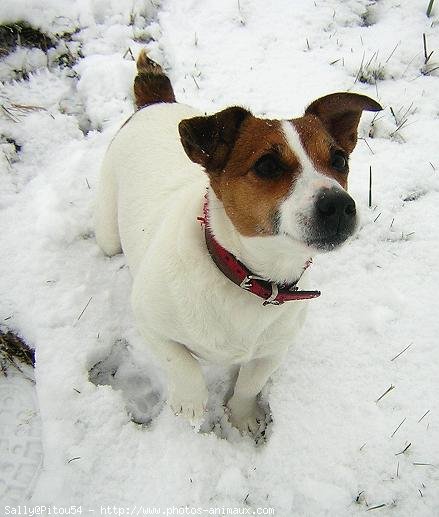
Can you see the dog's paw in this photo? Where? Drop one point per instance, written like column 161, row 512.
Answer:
column 247, row 418
column 189, row 400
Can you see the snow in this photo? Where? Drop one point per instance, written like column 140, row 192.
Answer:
column 332, row 447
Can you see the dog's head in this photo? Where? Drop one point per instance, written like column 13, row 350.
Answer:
column 283, row 177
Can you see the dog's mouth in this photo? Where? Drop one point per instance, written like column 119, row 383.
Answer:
column 322, row 241
column 329, row 243
column 323, row 244
column 323, row 238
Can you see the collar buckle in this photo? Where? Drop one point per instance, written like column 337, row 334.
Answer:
column 271, row 300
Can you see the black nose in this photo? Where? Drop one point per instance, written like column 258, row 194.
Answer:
column 335, row 206
column 334, row 218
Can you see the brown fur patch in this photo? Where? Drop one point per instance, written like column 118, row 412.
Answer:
column 251, row 202
column 318, row 143
column 151, row 85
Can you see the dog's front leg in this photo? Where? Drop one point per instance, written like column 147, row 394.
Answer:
column 187, row 391
column 246, row 414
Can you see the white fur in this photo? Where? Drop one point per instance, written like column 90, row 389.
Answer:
column 183, row 304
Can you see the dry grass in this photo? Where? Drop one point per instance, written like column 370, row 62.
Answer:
column 14, row 353
column 21, row 34
column 15, row 112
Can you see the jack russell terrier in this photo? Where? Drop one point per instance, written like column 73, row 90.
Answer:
column 268, row 193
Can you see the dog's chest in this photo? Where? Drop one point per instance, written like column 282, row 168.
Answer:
column 218, row 321
column 241, row 329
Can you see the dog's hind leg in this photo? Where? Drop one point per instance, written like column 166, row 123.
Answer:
column 151, row 85
column 106, row 223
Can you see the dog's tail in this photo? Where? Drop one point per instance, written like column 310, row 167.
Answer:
column 151, row 85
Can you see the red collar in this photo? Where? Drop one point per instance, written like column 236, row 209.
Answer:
column 238, row 273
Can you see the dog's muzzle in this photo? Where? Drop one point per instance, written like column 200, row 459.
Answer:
column 334, row 219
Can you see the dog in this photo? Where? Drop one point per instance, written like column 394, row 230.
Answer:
column 219, row 217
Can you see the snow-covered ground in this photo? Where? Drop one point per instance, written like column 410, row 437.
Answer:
column 333, row 449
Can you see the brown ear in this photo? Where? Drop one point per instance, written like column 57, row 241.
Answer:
column 340, row 114
column 209, row 140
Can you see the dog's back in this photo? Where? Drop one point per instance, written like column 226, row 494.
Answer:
column 129, row 211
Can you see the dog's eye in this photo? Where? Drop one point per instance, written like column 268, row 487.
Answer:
column 268, row 167
column 339, row 161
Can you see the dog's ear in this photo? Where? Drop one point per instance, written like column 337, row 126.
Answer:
column 340, row 114
column 209, row 140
